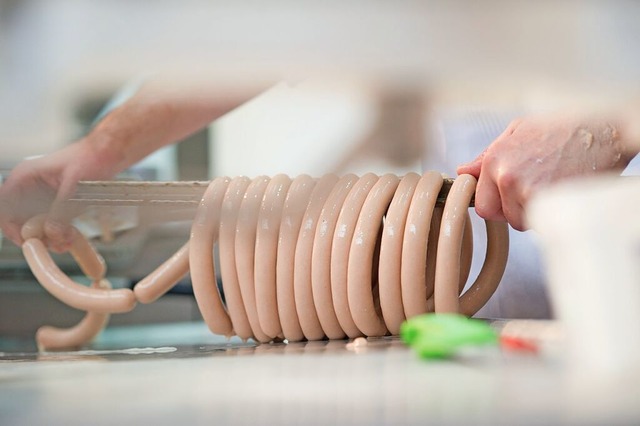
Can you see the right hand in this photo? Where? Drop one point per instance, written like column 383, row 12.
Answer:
column 535, row 152
column 42, row 185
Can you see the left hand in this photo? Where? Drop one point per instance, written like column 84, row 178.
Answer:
column 42, row 185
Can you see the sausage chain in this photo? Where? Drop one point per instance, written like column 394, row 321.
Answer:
column 301, row 258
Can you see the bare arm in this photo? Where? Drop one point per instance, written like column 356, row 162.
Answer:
column 153, row 118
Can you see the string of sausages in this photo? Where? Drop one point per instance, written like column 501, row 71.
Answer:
column 300, row 258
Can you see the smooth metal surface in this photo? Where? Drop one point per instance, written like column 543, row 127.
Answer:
column 176, row 194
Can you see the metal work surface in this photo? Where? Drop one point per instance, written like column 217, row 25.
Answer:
column 166, row 379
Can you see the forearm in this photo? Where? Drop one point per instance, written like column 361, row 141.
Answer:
column 153, row 119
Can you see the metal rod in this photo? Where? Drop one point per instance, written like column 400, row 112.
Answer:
column 175, row 194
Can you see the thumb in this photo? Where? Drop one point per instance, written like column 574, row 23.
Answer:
column 57, row 227
column 473, row 167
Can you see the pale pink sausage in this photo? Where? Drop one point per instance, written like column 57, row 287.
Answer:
column 492, row 270
column 266, row 248
column 418, row 245
column 360, row 294
column 466, row 255
column 70, row 292
column 204, row 233
column 305, row 307
column 294, row 209
column 226, row 243
column 450, row 244
column 321, row 257
column 54, row 338
column 342, row 237
column 432, row 255
column 245, row 251
column 89, row 260
column 164, row 277
column 391, row 251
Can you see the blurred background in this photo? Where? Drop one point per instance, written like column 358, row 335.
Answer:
column 355, row 86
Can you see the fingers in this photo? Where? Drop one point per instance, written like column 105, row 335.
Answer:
column 59, row 235
column 488, row 200
column 44, row 185
column 473, row 167
column 513, row 212
column 500, row 198
column 510, row 186
column 57, row 227
column 500, row 189
column 12, row 231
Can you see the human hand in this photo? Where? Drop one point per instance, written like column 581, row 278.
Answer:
column 42, row 185
column 534, row 152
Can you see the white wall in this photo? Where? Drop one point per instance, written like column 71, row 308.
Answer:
column 293, row 129
column 51, row 49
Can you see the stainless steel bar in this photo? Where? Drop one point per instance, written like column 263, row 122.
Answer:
column 175, row 194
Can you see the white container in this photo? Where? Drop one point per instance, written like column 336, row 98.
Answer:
column 589, row 231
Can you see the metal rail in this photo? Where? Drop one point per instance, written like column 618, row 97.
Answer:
column 174, row 194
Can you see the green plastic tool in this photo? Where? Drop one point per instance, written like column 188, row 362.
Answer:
column 441, row 335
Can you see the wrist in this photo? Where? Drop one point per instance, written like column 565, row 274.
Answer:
column 108, row 153
column 117, row 139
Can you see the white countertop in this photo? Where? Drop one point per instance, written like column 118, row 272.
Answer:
column 176, row 381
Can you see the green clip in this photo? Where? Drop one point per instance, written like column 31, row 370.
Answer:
column 441, row 335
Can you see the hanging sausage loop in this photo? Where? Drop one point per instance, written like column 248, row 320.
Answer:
column 306, row 258
column 98, row 301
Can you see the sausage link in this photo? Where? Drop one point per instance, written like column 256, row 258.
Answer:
column 68, row 291
column 303, row 259
column 54, row 338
